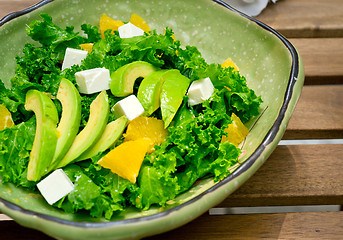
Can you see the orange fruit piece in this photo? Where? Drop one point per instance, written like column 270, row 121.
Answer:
column 139, row 22
column 6, row 120
column 229, row 63
column 237, row 131
column 108, row 23
column 126, row 159
column 87, row 47
column 148, row 128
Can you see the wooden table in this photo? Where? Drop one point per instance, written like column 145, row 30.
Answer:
column 296, row 174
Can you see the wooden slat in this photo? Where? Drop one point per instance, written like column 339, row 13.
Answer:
column 310, row 225
column 305, row 18
column 7, row 7
column 318, row 114
column 323, row 225
column 294, row 175
column 322, row 58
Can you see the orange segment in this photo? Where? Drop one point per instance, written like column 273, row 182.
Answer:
column 87, row 47
column 229, row 63
column 5, row 118
column 236, row 131
column 148, row 128
column 139, row 22
column 108, row 23
column 127, row 158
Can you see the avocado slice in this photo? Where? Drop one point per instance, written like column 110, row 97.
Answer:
column 45, row 141
column 111, row 134
column 123, row 79
column 69, row 124
column 98, row 117
column 174, row 87
column 149, row 91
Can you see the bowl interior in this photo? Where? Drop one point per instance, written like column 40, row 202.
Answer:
column 217, row 32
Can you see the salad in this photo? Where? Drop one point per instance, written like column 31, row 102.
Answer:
column 119, row 115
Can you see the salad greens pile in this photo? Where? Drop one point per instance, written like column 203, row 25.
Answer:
column 193, row 149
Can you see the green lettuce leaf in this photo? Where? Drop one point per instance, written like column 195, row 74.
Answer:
column 87, row 196
column 240, row 99
column 38, row 68
column 14, row 102
column 15, row 146
column 156, row 187
column 50, row 35
column 92, row 32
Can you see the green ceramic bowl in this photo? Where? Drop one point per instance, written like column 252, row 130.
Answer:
column 272, row 66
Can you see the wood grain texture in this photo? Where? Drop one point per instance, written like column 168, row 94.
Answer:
column 322, row 58
column 294, row 175
column 305, row 18
column 322, row 225
column 318, row 114
column 7, row 7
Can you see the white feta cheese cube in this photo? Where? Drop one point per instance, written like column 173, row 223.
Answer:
column 73, row 56
column 129, row 106
column 199, row 91
column 129, row 30
column 55, row 186
column 93, row 80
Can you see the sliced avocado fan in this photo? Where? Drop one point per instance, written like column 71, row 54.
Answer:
column 98, row 118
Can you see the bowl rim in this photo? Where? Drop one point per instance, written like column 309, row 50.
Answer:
column 269, row 138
